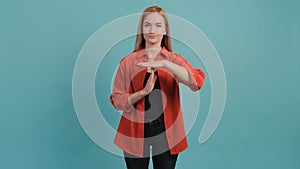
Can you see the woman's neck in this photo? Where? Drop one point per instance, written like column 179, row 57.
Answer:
column 152, row 52
column 152, row 45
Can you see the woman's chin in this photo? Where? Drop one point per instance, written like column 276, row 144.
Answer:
column 153, row 42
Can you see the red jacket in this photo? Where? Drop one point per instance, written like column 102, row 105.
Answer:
column 129, row 79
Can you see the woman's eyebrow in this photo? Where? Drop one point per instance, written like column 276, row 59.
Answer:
column 155, row 22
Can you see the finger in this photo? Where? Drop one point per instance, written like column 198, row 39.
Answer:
column 155, row 77
column 145, row 64
column 152, row 70
column 141, row 64
column 152, row 78
column 152, row 75
column 152, row 83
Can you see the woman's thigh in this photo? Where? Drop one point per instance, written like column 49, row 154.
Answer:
column 164, row 160
column 135, row 162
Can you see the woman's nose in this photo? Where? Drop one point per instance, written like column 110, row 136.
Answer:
column 151, row 30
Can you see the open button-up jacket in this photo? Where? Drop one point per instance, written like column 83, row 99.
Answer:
column 129, row 79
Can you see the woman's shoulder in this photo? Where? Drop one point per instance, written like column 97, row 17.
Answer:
column 132, row 56
column 129, row 57
column 172, row 56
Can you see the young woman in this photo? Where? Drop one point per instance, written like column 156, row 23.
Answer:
column 146, row 89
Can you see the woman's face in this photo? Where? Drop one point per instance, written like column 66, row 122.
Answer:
column 154, row 28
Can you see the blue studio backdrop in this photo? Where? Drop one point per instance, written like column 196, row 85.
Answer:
column 258, row 45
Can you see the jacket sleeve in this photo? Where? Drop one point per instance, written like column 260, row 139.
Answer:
column 196, row 75
column 120, row 93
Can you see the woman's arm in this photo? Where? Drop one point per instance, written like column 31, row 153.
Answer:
column 178, row 70
column 137, row 96
column 120, row 98
column 182, row 70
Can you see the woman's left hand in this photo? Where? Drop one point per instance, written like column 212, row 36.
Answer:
column 153, row 64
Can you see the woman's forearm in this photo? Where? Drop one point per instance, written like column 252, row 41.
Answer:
column 179, row 71
column 135, row 97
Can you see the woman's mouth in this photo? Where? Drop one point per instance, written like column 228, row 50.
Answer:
column 152, row 36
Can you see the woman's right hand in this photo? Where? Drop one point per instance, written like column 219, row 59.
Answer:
column 150, row 83
column 137, row 96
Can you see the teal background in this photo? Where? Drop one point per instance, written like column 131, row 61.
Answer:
column 258, row 43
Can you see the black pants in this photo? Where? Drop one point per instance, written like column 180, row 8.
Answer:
column 161, row 161
column 155, row 137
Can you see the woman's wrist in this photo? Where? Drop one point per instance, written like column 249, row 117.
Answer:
column 143, row 92
column 135, row 97
column 165, row 64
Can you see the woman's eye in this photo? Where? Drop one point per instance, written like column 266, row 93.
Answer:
column 159, row 26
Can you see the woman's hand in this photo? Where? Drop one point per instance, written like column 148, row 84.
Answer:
column 135, row 97
column 150, row 83
column 153, row 64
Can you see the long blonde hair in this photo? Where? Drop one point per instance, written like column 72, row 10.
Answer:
column 140, row 41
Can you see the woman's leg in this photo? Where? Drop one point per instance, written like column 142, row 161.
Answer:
column 133, row 162
column 164, row 160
